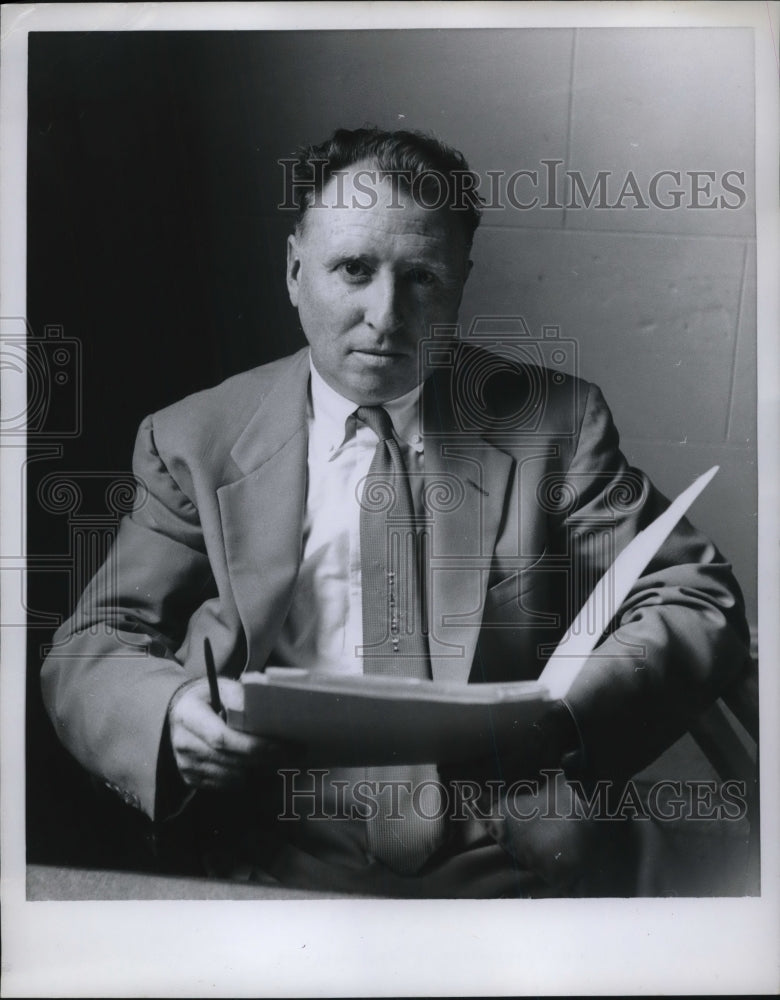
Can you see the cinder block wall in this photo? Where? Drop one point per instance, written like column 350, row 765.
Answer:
column 661, row 303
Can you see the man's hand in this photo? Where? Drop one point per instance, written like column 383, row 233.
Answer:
column 542, row 829
column 537, row 822
column 208, row 753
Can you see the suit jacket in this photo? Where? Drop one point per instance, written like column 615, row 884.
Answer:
column 528, row 497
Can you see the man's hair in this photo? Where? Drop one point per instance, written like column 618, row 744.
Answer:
column 422, row 164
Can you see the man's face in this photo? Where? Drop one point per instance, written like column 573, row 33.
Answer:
column 369, row 283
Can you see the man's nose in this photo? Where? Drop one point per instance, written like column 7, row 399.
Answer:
column 384, row 308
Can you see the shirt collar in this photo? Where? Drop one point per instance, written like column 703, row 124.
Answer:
column 330, row 412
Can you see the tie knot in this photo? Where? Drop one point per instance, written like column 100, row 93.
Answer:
column 378, row 419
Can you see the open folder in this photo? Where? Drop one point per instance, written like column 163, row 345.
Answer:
column 375, row 720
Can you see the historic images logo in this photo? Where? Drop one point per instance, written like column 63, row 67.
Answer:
column 314, row 795
column 547, row 186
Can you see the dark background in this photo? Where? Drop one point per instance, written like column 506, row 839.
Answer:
column 156, row 258
column 147, row 246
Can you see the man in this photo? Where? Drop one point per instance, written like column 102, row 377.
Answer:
column 253, row 530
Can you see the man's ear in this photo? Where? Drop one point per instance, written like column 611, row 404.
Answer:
column 293, row 269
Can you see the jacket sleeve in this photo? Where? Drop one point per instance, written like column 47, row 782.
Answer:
column 680, row 636
column 112, row 669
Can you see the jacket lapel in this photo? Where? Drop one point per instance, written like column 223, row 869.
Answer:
column 262, row 512
column 466, row 480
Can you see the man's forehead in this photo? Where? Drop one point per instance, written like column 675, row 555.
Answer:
column 365, row 199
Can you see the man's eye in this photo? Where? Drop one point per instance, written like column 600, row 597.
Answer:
column 355, row 269
column 422, row 277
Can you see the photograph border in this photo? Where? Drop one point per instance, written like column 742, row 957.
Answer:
column 366, row 947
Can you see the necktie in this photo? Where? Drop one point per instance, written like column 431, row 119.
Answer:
column 395, row 642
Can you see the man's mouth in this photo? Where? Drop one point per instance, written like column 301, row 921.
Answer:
column 373, row 352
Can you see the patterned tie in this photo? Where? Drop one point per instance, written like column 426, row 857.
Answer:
column 395, row 642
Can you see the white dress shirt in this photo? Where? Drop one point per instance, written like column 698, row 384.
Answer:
column 324, row 626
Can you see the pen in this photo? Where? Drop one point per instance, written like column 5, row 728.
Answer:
column 211, row 673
